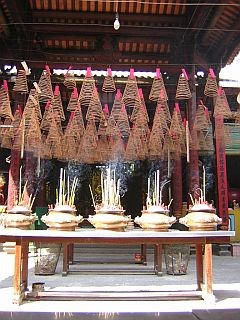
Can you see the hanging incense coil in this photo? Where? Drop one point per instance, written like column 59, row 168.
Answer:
column 86, row 151
column 95, row 111
column 201, row 121
column 102, row 128
column 123, row 122
column 21, row 84
column 108, row 83
column 130, row 94
column 70, row 148
column 118, row 148
column 155, row 148
column 158, row 90
column 139, row 106
column 32, row 105
column 47, row 117
column 117, row 105
column 176, row 129
column 69, row 80
column 103, row 151
column 211, row 87
column 73, row 101
column 166, row 112
column 57, row 106
column 33, row 139
column 221, row 107
column 5, row 106
column 6, row 134
column 45, row 86
column 113, row 130
column 201, row 141
column 75, row 127
column 54, row 140
column 159, row 122
column 141, row 124
column 131, row 153
column 87, row 90
column 183, row 91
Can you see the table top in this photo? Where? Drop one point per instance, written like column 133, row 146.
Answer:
column 97, row 233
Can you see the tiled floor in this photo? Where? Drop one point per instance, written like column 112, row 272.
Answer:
column 128, row 277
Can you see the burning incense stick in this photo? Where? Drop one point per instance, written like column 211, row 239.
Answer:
column 23, row 137
column 20, row 185
column 187, row 141
column 191, row 199
column 204, row 184
column 92, row 196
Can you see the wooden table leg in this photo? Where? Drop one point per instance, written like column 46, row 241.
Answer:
column 65, row 259
column 158, row 259
column 199, row 265
column 70, row 253
column 20, row 271
column 208, row 290
column 24, row 260
column 144, row 254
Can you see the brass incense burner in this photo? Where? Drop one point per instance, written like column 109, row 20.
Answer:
column 201, row 216
column 156, row 215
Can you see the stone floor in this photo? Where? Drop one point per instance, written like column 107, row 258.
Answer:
column 109, row 270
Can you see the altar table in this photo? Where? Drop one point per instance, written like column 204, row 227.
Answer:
column 202, row 239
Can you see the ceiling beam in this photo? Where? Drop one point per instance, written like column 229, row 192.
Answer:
column 105, row 29
column 91, row 37
column 108, row 16
column 106, row 54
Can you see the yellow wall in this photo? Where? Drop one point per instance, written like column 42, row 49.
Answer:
column 236, row 214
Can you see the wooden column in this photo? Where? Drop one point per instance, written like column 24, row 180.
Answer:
column 193, row 154
column 13, row 182
column 176, row 187
column 221, row 172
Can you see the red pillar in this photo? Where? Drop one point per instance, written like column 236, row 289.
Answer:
column 30, row 169
column 13, row 181
column 176, row 187
column 221, row 172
